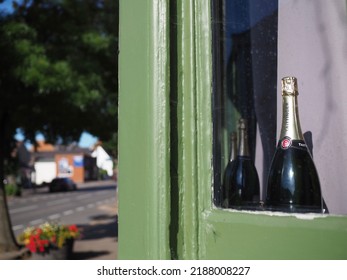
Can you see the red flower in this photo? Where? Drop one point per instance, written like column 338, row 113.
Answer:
column 39, row 239
column 32, row 246
column 73, row 228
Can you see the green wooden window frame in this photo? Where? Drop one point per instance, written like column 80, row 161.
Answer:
column 143, row 130
column 165, row 151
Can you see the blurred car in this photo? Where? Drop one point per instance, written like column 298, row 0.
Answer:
column 62, row 184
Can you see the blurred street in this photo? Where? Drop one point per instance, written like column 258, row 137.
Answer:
column 93, row 208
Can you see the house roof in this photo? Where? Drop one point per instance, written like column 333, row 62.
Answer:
column 48, row 153
column 42, row 146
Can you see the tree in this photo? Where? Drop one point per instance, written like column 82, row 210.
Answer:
column 61, row 60
column 62, row 78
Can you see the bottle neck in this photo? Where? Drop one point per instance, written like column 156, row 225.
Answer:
column 243, row 145
column 233, row 149
column 290, row 118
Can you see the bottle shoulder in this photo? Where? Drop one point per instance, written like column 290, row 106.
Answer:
column 294, row 166
column 295, row 149
column 245, row 169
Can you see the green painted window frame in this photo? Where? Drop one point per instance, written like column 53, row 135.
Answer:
column 227, row 234
column 143, row 130
column 165, row 155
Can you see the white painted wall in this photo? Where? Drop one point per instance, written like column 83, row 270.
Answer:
column 103, row 160
column 45, row 172
column 312, row 45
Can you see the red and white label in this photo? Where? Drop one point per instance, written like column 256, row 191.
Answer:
column 286, row 143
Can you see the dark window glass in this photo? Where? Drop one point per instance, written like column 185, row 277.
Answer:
column 245, row 81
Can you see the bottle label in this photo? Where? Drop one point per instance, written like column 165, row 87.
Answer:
column 287, row 143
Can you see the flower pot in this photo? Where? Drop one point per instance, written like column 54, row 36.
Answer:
column 54, row 253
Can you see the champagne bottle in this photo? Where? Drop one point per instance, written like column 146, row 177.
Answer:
column 228, row 169
column 244, row 180
column 293, row 183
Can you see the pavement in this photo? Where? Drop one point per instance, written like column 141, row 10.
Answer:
column 99, row 240
column 99, row 237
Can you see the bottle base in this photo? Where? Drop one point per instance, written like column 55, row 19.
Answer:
column 290, row 208
column 252, row 206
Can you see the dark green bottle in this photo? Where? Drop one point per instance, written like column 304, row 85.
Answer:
column 228, row 169
column 244, row 180
column 293, row 183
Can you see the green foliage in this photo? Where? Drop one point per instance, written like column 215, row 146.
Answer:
column 96, row 42
column 61, row 68
column 11, row 189
column 111, row 146
column 102, row 174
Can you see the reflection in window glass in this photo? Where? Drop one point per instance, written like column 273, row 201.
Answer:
column 245, row 82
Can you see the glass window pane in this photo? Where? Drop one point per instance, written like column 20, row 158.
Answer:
column 255, row 44
column 245, row 79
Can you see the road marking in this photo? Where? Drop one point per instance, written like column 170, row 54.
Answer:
column 54, row 216
column 23, row 209
column 109, row 200
column 63, row 200
column 36, row 222
column 79, row 209
column 17, row 227
column 68, row 212
column 83, row 196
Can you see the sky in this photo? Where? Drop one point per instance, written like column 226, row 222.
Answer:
column 7, row 5
column 86, row 140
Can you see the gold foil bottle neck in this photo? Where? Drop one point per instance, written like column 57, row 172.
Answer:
column 243, row 143
column 289, row 86
column 233, row 146
column 290, row 114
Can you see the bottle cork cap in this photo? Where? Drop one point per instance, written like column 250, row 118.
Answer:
column 289, row 86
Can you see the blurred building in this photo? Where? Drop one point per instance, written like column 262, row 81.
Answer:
column 79, row 164
column 103, row 159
